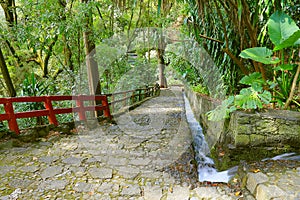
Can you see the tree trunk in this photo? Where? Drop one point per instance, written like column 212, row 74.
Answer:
column 9, row 11
column 91, row 63
column 10, row 87
column 161, row 67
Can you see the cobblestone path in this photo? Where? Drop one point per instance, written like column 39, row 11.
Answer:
column 145, row 155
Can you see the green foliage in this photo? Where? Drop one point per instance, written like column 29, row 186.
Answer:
column 200, row 89
column 284, row 33
column 260, row 54
column 250, row 98
column 222, row 111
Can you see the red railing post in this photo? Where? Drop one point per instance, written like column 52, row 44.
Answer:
column 81, row 113
column 49, row 107
column 106, row 111
column 12, row 122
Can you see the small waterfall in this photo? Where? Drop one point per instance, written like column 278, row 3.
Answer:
column 206, row 170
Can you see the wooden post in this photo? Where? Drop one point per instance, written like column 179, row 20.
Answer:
column 49, row 107
column 106, row 111
column 140, row 98
column 81, row 113
column 12, row 122
column 132, row 97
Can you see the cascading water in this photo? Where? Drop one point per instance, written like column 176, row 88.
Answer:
column 206, row 170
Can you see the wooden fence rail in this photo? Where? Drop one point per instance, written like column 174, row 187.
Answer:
column 11, row 116
column 128, row 97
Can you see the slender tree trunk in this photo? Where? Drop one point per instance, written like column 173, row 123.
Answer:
column 91, row 63
column 161, row 65
column 10, row 87
column 9, row 11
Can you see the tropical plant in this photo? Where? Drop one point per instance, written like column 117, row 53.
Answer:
column 250, row 98
column 285, row 35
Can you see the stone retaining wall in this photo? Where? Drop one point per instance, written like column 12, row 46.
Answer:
column 268, row 128
column 201, row 105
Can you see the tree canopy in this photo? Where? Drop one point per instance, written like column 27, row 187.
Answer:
column 44, row 43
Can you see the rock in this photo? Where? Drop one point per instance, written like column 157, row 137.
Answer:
column 20, row 183
column 6, row 169
column 53, row 185
column 116, row 161
column 31, row 168
column 72, row 161
column 102, row 173
column 254, row 179
column 140, row 161
column 128, row 172
column 178, row 193
column 105, row 188
column 152, row 193
column 29, row 136
column 62, row 129
column 131, row 190
column 83, row 187
column 48, row 159
column 51, row 171
column 42, row 132
column 269, row 192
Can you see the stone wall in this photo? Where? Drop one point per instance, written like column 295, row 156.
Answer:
column 268, row 128
column 201, row 105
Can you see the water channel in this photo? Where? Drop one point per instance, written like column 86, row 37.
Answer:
column 206, row 169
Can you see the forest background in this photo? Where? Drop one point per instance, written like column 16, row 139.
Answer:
column 44, row 43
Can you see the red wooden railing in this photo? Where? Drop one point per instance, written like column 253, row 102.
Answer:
column 50, row 112
column 129, row 97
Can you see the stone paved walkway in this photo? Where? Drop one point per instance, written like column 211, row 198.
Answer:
column 145, row 155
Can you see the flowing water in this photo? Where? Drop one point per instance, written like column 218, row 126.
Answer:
column 206, row 170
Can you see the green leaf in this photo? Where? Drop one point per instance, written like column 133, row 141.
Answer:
column 248, row 99
column 281, row 27
column 158, row 7
column 294, row 39
column 265, row 97
column 222, row 111
column 252, row 78
column 259, row 54
column 240, row 9
column 285, row 67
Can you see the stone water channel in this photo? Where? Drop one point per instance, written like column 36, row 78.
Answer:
column 146, row 154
